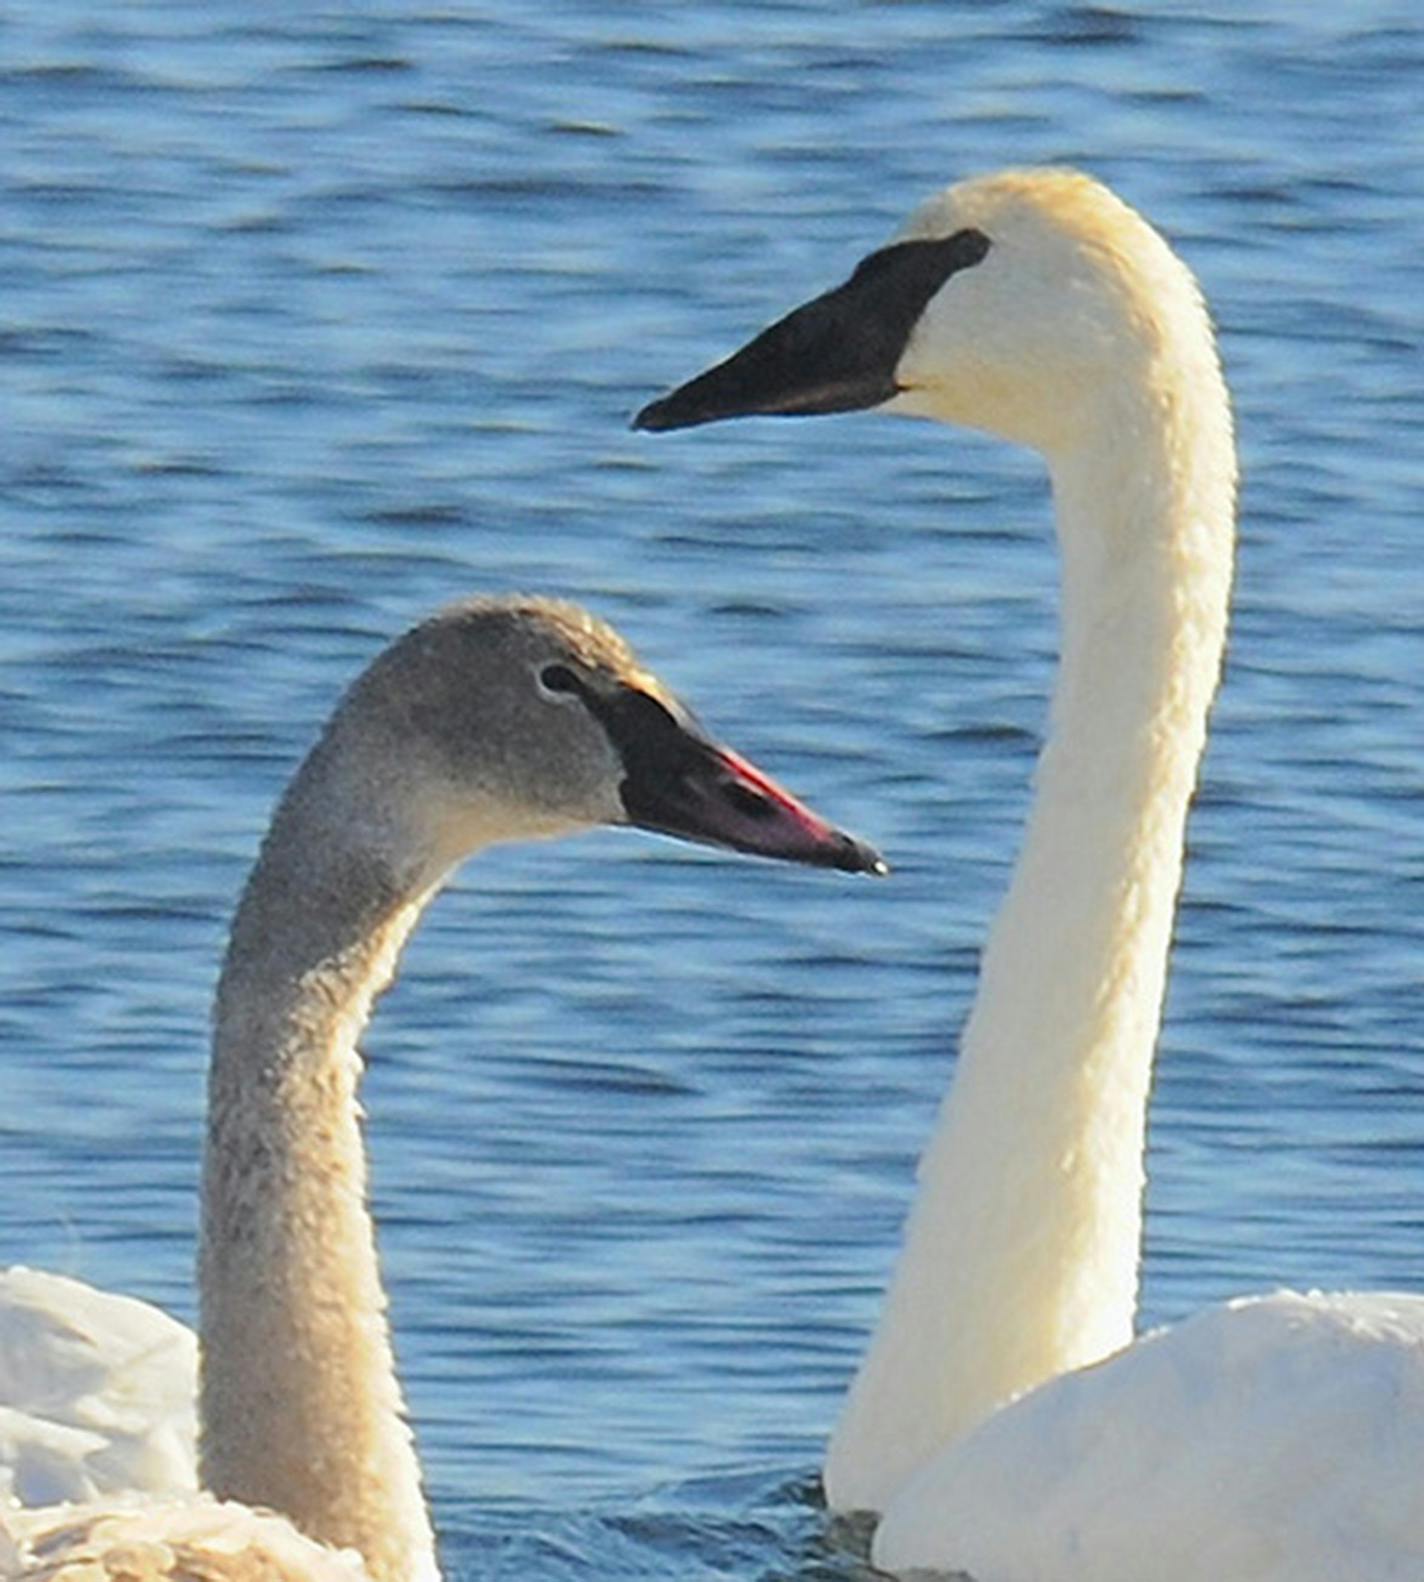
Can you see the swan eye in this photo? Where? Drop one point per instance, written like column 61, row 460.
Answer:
column 559, row 680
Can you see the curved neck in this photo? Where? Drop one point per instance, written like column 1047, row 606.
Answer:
column 1021, row 1253
column 300, row 1408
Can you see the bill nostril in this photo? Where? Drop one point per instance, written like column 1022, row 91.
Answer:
column 748, row 801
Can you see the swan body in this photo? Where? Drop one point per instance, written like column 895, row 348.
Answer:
column 1040, row 307
column 98, row 1393
column 497, row 720
column 1268, row 1439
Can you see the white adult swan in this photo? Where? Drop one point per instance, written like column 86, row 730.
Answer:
column 497, row 720
column 1281, row 1437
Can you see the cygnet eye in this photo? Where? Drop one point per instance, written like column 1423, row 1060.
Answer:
column 559, row 681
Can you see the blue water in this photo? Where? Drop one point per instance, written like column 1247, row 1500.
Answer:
column 312, row 318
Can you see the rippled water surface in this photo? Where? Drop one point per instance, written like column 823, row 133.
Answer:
column 316, row 317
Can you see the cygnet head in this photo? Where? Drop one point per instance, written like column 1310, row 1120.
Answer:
column 1026, row 303
column 520, row 718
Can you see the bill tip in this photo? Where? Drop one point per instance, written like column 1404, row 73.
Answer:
column 860, row 858
column 653, row 417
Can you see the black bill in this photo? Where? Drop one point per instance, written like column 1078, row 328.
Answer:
column 681, row 783
column 838, row 353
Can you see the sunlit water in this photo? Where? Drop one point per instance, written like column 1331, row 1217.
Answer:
column 312, row 319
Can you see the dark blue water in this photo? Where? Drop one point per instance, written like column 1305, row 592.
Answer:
column 312, row 318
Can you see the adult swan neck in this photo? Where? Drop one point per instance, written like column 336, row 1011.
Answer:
column 1021, row 1254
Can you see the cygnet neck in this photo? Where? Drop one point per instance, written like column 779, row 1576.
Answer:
column 1021, row 1253
column 300, row 1409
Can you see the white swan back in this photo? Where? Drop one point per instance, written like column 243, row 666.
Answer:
column 1269, row 1439
column 96, row 1393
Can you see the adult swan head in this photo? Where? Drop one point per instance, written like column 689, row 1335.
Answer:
column 498, row 720
column 1038, row 306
